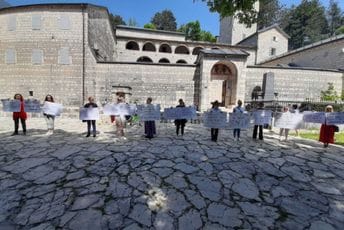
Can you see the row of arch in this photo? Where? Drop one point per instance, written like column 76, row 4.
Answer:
column 162, row 60
column 163, row 48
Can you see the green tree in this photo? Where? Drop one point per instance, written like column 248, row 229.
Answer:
column 340, row 30
column 269, row 13
column 116, row 20
column 330, row 94
column 334, row 15
column 307, row 23
column 207, row 36
column 192, row 30
column 132, row 22
column 149, row 26
column 164, row 20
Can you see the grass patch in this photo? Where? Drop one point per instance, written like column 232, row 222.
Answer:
column 310, row 134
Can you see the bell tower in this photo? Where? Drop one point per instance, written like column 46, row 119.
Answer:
column 232, row 31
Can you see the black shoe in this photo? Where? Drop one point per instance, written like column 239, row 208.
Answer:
column 15, row 133
column 94, row 135
column 88, row 135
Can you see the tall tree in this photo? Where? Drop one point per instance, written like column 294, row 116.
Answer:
column 242, row 9
column 132, row 22
column 164, row 20
column 269, row 13
column 306, row 23
column 192, row 30
column 207, row 36
column 334, row 15
column 116, row 20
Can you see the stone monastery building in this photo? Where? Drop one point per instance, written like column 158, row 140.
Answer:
column 72, row 52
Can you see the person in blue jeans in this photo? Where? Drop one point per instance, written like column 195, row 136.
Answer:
column 238, row 109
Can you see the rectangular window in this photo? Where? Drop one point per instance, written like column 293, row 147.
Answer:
column 36, row 22
column 10, row 56
column 64, row 22
column 37, row 56
column 274, row 38
column 64, row 58
column 273, row 52
column 11, row 23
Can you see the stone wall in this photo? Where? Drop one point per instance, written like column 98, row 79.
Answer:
column 293, row 83
column 63, row 81
column 101, row 37
column 328, row 54
column 164, row 83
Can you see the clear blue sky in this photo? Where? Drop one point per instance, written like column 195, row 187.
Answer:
column 143, row 10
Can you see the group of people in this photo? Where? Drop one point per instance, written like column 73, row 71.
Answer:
column 326, row 131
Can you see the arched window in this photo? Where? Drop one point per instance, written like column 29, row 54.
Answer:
column 149, row 47
column 164, row 60
column 196, row 50
column 181, row 61
column 165, row 48
column 132, row 46
column 144, row 59
column 182, row 50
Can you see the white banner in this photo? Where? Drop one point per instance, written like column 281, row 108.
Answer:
column 119, row 109
column 180, row 113
column 289, row 120
column 32, row 106
column 10, row 105
column 239, row 121
column 148, row 112
column 215, row 119
column 335, row 118
column 314, row 117
column 262, row 117
column 86, row 114
column 51, row 108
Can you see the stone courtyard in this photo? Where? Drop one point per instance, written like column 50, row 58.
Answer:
column 68, row 181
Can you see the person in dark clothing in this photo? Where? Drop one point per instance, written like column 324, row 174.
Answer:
column 215, row 131
column 180, row 123
column 91, row 104
column 260, row 127
column 150, row 129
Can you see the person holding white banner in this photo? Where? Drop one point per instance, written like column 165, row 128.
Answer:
column 260, row 126
column 19, row 115
column 91, row 104
column 327, row 131
column 120, row 119
column 180, row 123
column 238, row 109
column 286, row 131
column 49, row 118
column 150, row 129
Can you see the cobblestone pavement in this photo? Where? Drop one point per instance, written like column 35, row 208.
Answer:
column 68, row 181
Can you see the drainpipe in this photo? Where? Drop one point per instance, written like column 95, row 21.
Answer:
column 83, row 55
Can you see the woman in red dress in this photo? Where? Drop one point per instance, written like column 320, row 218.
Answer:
column 327, row 131
column 19, row 115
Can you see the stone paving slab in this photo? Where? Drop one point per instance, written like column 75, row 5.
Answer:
column 68, row 181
